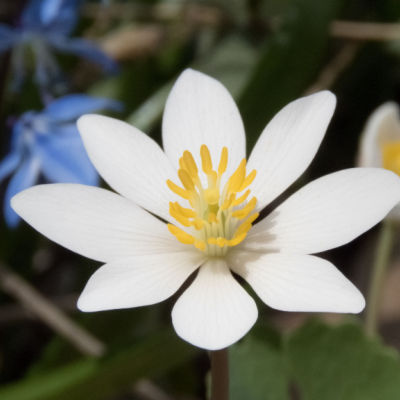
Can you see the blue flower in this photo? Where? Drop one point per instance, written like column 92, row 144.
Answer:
column 47, row 144
column 46, row 25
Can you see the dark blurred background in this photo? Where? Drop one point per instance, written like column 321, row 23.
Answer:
column 267, row 53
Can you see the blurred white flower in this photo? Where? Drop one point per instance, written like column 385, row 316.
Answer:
column 380, row 142
column 210, row 214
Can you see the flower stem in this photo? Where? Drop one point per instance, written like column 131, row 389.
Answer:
column 219, row 375
column 382, row 255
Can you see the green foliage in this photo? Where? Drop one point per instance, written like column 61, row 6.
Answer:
column 318, row 362
column 99, row 379
column 288, row 62
column 257, row 367
column 333, row 363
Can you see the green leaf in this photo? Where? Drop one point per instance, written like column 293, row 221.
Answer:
column 100, row 379
column 288, row 63
column 257, row 367
column 341, row 363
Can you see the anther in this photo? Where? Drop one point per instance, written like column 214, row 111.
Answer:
column 246, row 210
column 248, row 180
column 236, row 180
column 200, row 244
column 223, row 162
column 178, row 216
column 178, row 190
column 190, row 164
column 206, row 162
column 241, row 199
column 181, row 235
column 186, row 180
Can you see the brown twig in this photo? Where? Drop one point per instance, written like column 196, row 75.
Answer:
column 334, row 68
column 133, row 42
column 31, row 299
column 365, row 30
column 147, row 390
column 12, row 313
column 219, row 375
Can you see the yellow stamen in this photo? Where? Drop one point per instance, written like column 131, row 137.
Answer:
column 198, row 224
column 237, row 239
column 247, row 224
column 206, row 162
column 186, row 180
column 252, row 218
column 228, row 201
column 181, row 235
column 182, row 164
column 248, row 180
column 241, row 199
column 178, row 190
column 200, row 244
column 214, row 220
column 391, row 156
column 246, row 210
column 236, row 180
column 174, row 212
column 223, row 162
column 190, row 164
column 186, row 212
column 219, row 241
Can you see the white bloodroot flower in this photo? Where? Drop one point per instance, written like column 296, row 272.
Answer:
column 208, row 199
column 380, row 143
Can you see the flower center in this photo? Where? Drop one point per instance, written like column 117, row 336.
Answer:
column 216, row 217
column 391, row 156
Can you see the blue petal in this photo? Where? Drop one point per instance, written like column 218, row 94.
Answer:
column 51, row 16
column 71, row 107
column 64, row 159
column 31, row 16
column 50, row 10
column 21, row 129
column 85, row 49
column 25, row 176
column 8, row 38
column 9, row 164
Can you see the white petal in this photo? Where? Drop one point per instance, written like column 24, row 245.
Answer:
column 94, row 222
column 382, row 126
column 130, row 162
column 328, row 212
column 288, row 144
column 292, row 282
column 138, row 281
column 215, row 311
column 200, row 110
